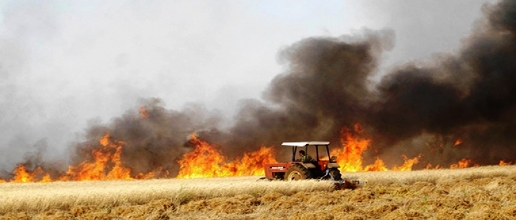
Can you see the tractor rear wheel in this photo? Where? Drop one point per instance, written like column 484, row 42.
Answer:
column 297, row 172
column 336, row 174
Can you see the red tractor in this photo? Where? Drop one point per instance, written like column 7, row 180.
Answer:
column 308, row 169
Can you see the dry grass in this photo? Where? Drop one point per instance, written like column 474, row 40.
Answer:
column 472, row 193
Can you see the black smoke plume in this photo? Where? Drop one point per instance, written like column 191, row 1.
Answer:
column 469, row 96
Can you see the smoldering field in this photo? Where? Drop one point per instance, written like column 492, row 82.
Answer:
column 487, row 192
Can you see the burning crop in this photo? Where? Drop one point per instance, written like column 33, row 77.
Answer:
column 106, row 162
column 206, row 161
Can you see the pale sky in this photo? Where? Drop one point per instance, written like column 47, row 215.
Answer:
column 64, row 63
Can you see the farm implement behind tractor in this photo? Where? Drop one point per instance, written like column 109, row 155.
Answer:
column 305, row 167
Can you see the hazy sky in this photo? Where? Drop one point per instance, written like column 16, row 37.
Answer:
column 65, row 63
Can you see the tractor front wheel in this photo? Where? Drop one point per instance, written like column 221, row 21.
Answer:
column 297, row 172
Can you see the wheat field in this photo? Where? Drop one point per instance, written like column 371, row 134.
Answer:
column 487, row 192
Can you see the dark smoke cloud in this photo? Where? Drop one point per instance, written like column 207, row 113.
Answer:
column 469, row 96
column 327, row 85
column 324, row 88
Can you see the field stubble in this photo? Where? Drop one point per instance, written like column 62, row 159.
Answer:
column 473, row 193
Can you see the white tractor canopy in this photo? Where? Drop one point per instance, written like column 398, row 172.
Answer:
column 305, row 143
column 317, row 144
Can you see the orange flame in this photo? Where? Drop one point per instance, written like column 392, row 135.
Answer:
column 106, row 164
column 503, row 163
column 350, row 156
column 252, row 163
column 22, row 175
column 206, row 161
column 378, row 165
column 458, row 142
column 407, row 165
column 463, row 163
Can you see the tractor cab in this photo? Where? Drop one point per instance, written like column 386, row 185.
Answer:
column 321, row 159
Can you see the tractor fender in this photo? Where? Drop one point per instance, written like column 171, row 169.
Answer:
column 333, row 165
column 308, row 165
